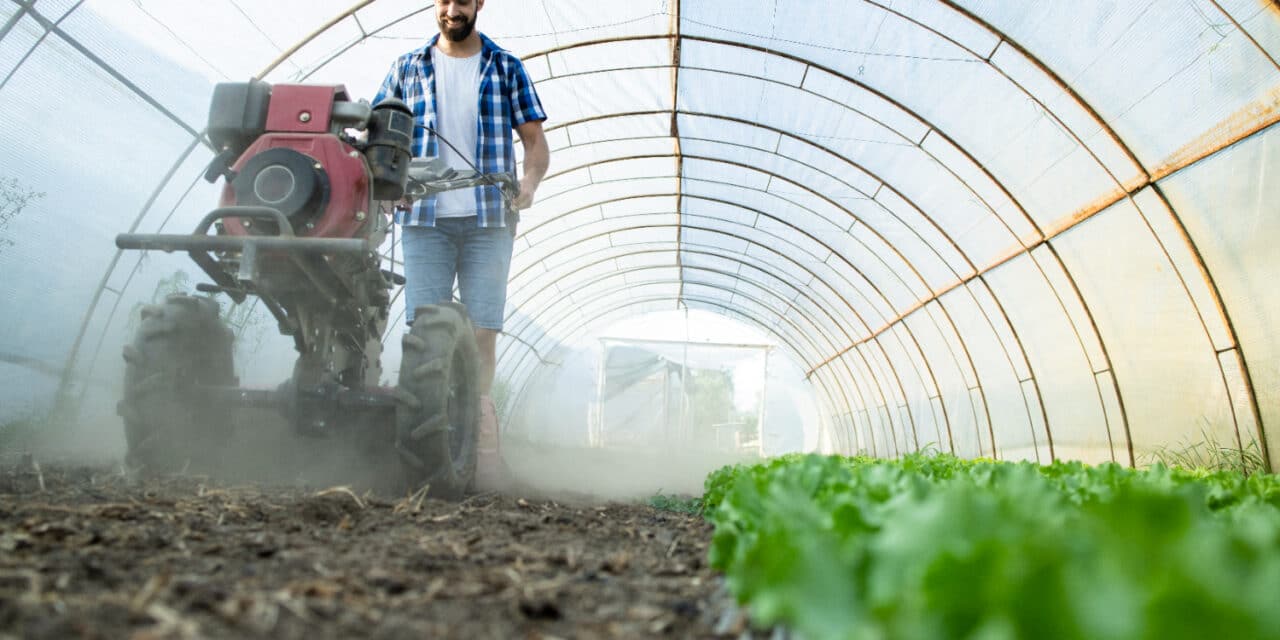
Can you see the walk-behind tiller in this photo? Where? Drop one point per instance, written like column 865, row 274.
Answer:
column 309, row 175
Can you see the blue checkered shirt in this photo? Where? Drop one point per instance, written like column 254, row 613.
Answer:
column 507, row 100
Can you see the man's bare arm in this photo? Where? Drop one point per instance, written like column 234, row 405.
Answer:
column 537, row 157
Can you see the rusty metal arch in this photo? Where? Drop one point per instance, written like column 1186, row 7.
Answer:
column 1092, row 325
column 880, row 294
column 918, row 349
column 1151, row 180
column 927, row 243
column 927, row 377
column 974, row 370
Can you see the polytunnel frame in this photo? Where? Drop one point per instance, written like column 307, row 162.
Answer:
column 1003, row 38
column 711, row 251
column 1026, row 249
column 935, row 396
column 26, row 7
column 1084, row 306
column 1148, row 179
column 883, row 184
column 752, row 242
column 741, row 237
column 763, row 214
column 1061, row 84
column 1126, row 193
column 1095, row 335
column 854, row 218
column 885, row 400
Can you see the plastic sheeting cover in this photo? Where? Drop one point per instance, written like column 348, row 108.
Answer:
column 1027, row 230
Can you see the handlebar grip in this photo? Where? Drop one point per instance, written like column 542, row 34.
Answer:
column 430, row 180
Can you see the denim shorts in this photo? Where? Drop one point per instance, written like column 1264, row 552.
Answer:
column 479, row 259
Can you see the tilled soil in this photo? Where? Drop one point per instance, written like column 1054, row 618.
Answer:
column 89, row 552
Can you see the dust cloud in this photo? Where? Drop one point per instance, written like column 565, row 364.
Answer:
column 610, row 474
column 545, row 448
column 260, row 447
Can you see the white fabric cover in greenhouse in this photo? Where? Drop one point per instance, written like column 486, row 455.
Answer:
column 1026, row 230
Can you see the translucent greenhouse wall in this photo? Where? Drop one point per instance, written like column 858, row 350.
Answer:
column 1022, row 230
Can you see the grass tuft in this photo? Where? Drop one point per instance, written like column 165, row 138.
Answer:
column 678, row 504
column 1209, row 454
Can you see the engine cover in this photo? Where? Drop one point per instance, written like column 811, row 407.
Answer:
column 342, row 213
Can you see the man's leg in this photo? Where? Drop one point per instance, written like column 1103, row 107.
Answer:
column 487, row 340
column 430, row 266
column 483, row 268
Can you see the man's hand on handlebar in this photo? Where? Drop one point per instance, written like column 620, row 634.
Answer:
column 524, row 197
column 523, row 200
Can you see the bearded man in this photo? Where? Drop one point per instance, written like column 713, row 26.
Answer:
column 469, row 97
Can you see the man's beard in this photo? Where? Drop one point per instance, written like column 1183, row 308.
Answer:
column 457, row 33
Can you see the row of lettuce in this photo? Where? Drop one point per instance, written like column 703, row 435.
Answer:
column 932, row 546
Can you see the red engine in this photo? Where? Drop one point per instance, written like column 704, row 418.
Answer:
column 305, row 168
column 299, row 167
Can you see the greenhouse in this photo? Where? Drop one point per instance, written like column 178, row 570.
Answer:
column 987, row 232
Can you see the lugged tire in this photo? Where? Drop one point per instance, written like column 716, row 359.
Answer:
column 438, row 413
column 180, row 344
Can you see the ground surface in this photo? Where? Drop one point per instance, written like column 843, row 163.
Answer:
column 89, row 552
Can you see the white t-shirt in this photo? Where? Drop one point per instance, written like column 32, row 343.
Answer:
column 457, row 116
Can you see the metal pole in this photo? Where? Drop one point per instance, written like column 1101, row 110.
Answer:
column 684, row 381
column 764, row 396
column 666, row 407
column 595, row 434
